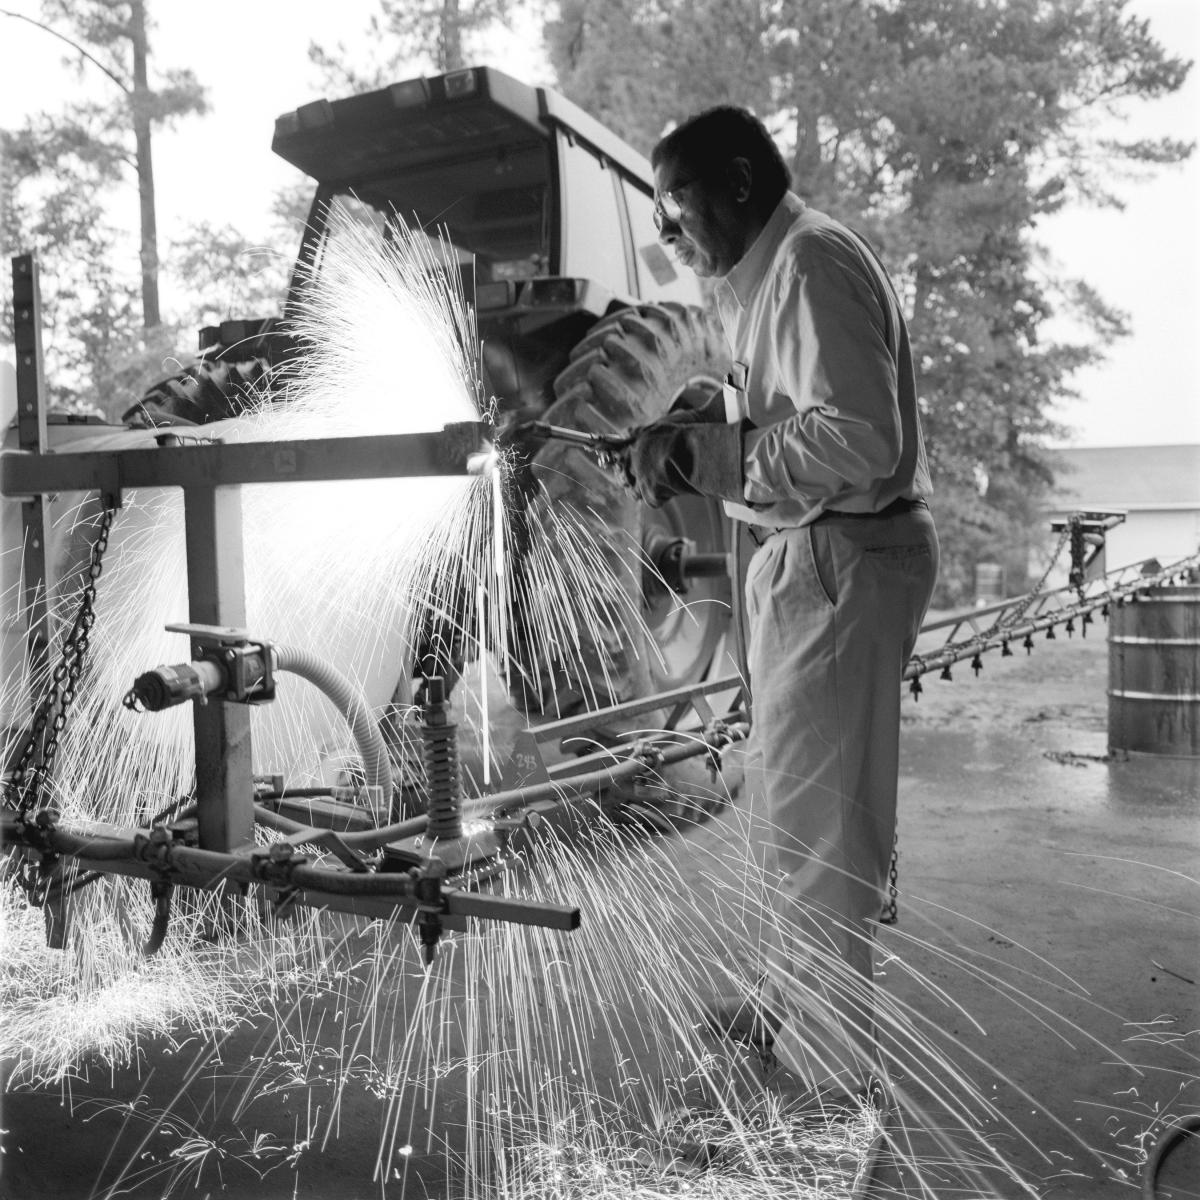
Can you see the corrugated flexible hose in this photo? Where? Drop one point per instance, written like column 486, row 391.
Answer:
column 350, row 703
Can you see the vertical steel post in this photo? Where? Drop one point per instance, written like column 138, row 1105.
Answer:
column 31, row 435
column 217, row 596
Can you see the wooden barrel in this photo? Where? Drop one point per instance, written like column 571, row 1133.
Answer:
column 1154, row 673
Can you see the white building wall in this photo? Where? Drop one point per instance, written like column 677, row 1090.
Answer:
column 1165, row 534
column 1168, row 534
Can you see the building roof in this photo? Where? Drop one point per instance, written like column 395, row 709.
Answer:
column 1123, row 477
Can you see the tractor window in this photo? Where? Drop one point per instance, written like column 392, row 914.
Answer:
column 593, row 238
column 361, row 214
column 387, row 227
column 495, row 208
column 659, row 276
column 381, row 226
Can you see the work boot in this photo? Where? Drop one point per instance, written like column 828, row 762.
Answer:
column 745, row 1020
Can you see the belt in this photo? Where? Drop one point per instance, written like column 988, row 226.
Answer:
column 760, row 533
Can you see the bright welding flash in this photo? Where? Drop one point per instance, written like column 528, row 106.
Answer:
column 484, row 463
column 483, row 686
column 497, row 519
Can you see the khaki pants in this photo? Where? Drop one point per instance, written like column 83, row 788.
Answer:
column 834, row 609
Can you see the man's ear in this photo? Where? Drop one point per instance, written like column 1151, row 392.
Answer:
column 741, row 178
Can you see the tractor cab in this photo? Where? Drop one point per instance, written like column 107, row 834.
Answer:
column 547, row 214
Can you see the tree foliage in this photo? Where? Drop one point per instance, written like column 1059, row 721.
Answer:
column 233, row 275
column 943, row 129
column 60, row 171
column 429, row 35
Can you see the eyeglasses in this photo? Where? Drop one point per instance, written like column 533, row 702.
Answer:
column 667, row 206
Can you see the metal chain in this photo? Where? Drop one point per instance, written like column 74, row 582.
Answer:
column 1010, row 616
column 1075, row 529
column 27, row 777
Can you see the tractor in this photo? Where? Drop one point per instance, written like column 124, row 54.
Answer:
column 544, row 220
column 583, row 319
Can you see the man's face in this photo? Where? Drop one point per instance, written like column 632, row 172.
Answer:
column 696, row 217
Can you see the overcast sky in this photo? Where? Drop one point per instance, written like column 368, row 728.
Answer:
column 251, row 54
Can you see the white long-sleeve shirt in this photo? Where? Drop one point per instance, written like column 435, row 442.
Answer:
column 829, row 390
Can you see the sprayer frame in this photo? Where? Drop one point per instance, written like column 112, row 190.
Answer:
column 211, row 475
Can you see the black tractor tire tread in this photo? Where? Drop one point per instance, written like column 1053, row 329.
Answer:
column 640, row 328
column 637, row 352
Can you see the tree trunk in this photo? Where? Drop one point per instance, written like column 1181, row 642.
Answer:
column 139, row 100
column 451, row 39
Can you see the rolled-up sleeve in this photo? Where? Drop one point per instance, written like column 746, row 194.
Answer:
column 835, row 366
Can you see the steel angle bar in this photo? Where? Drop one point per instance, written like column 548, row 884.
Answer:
column 615, row 715
column 31, row 438
column 202, row 464
column 368, row 893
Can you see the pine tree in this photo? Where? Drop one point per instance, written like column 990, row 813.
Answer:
column 61, row 169
column 429, row 35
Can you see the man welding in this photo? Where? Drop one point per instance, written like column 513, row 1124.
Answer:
column 816, row 445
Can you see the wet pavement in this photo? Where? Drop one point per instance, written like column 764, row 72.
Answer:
column 1069, row 883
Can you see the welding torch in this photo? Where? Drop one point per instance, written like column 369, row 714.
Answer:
column 526, row 436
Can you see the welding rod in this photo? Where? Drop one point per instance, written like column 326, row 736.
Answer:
column 532, row 431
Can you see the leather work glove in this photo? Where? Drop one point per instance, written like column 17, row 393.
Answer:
column 669, row 459
column 709, row 410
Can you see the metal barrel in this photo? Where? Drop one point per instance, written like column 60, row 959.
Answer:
column 1154, row 673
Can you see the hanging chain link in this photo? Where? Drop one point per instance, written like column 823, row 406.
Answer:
column 1078, row 549
column 1010, row 616
column 36, row 760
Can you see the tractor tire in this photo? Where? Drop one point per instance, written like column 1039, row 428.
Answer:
column 633, row 367
column 205, row 391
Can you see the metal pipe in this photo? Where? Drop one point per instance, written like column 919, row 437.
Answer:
column 209, row 868
column 704, row 566
column 980, row 643
column 497, row 803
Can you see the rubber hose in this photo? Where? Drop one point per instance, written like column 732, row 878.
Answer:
column 161, row 891
column 350, row 703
